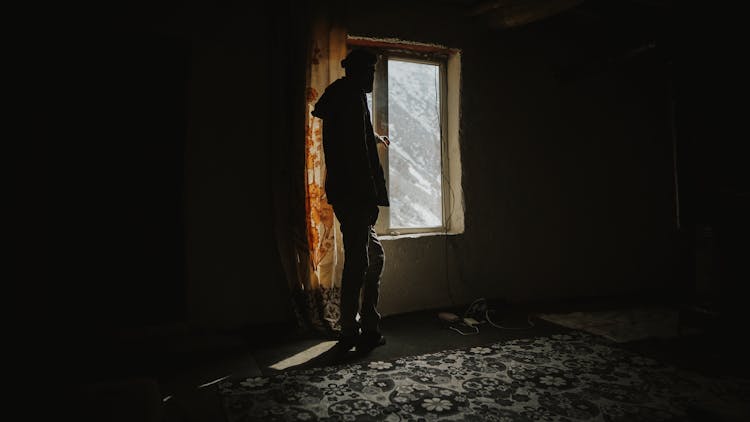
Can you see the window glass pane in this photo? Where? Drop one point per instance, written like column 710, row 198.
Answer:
column 414, row 156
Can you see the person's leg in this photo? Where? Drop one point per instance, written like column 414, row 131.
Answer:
column 355, row 231
column 371, row 288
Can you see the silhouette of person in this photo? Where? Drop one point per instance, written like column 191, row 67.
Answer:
column 355, row 186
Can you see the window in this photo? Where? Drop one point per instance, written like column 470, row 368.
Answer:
column 415, row 103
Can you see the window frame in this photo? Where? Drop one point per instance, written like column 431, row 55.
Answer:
column 379, row 115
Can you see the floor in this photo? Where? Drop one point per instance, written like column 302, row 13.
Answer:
column 188, row 368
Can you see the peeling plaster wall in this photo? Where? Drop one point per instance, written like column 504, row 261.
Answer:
column 567, row 183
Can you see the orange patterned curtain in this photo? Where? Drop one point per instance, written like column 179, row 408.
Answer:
column 322, row 290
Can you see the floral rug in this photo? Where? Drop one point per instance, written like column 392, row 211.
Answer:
column 622, row 326
column 563, row 377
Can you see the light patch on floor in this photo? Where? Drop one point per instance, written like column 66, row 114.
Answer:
column 210, row 383
column 304, row 356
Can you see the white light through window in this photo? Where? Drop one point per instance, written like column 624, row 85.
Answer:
column 415, row 165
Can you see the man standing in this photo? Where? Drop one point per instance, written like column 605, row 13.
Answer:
column 355, row 186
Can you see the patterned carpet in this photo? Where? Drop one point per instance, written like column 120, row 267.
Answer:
column 622, row 325
column 563, row 377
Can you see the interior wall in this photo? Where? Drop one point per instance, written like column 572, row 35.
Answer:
column 567, row 181
column 168, row 213
column 234, row 272
column 118, row 141
column 567, row 166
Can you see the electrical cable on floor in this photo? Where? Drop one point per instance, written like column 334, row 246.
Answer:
column 476, row 330
column 479, row 312
column 454, row 322
column 476, row 307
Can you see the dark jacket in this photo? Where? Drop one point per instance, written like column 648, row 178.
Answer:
column 354, row 174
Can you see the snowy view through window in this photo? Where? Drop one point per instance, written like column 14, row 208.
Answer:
column 414, row 156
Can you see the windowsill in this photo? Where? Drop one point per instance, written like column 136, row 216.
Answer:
column 414, row 235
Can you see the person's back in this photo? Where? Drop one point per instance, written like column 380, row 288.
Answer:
column 354, row 174
column 355, row 186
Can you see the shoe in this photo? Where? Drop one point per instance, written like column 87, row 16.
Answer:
column 369, row 341
column 345, row 344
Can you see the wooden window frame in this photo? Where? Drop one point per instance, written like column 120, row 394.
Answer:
column 417, row 53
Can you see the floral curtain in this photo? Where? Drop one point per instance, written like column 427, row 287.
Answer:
column 319, row 307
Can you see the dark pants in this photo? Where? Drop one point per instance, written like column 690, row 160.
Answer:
column 363, row 265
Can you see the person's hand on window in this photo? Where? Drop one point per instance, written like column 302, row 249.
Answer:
column 384, row 140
